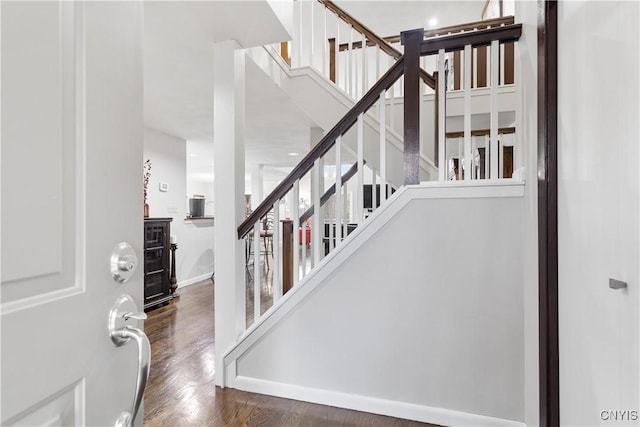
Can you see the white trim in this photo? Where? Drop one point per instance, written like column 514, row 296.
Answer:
column 382, row 215
column 39, row 299
column 194, row 280
column 410, row 411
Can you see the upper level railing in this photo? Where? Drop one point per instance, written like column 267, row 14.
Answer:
column 479, row 55
column 321, row 27
column 352, row 157
column 330, row 40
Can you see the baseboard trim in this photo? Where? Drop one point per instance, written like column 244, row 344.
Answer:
column 410, row 411
column 194, row 280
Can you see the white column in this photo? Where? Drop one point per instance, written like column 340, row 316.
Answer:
column 257, row 186
column 228, row 137
column 297, row 36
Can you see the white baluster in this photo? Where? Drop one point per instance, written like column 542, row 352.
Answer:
column 392, row 108
column 494, row 110
column 360, row 182
column 312, row 31
column 467, row 112
column 350, row 72
column 331, row 220
column 297, row 51
column 378, row 72
column 460, row 159
column 383, row 144
column 277, row 281
column 442, row 167
column 295, row 215
column 374, row 196
column 487, row 152
column 325, row 63
column 316, row 222
column 364, row 66
column 345, row 203
column 303, row 248
column 502, row 69
column 337, row 63
column 501, row 156
column 474, row 164
column 256, row 272
column 338, row 195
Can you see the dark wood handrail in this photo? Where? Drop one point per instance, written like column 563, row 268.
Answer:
column 470, row 26
column 324, row 145
column 362, row 29
column 506, row 33
column 376, row 39
column 330, row 192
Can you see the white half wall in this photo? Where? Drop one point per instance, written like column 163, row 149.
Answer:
column 420, row 311
column 194, row 257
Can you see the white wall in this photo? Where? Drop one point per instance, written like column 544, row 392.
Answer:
column 194, row 257
column 598, row 212
column 404, row 319
column 526, row 69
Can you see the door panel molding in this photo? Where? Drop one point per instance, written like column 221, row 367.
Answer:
column 43, row 266
column 64, row 408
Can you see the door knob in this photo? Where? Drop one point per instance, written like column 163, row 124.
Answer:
column 123, row 262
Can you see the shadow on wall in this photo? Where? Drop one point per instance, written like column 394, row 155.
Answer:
column 203, row 265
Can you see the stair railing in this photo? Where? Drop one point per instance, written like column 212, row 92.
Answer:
column 329, row 39
column 325, row 194
column 479, row 56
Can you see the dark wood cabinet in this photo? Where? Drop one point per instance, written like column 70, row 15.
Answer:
column 157, row 285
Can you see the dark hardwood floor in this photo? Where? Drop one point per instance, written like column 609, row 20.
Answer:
column 181, row 390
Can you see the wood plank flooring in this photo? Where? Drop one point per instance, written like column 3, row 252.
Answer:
column 181, row 390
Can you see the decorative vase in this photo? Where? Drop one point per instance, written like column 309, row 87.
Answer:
column 146, row 210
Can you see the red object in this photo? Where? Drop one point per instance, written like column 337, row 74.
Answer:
column 308, row 233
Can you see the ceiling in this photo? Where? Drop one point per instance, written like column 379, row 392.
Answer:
column 390, row 17
column 178, row 65
column 178, row 57
column 178, row 85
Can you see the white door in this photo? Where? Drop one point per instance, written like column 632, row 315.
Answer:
column 71, row 86
column 599, row 213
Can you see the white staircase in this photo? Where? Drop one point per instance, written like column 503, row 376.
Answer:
column 418, row 312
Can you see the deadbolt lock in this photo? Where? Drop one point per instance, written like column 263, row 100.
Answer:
column 123, row 262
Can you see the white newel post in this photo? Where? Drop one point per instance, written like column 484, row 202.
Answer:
column 229, row 186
